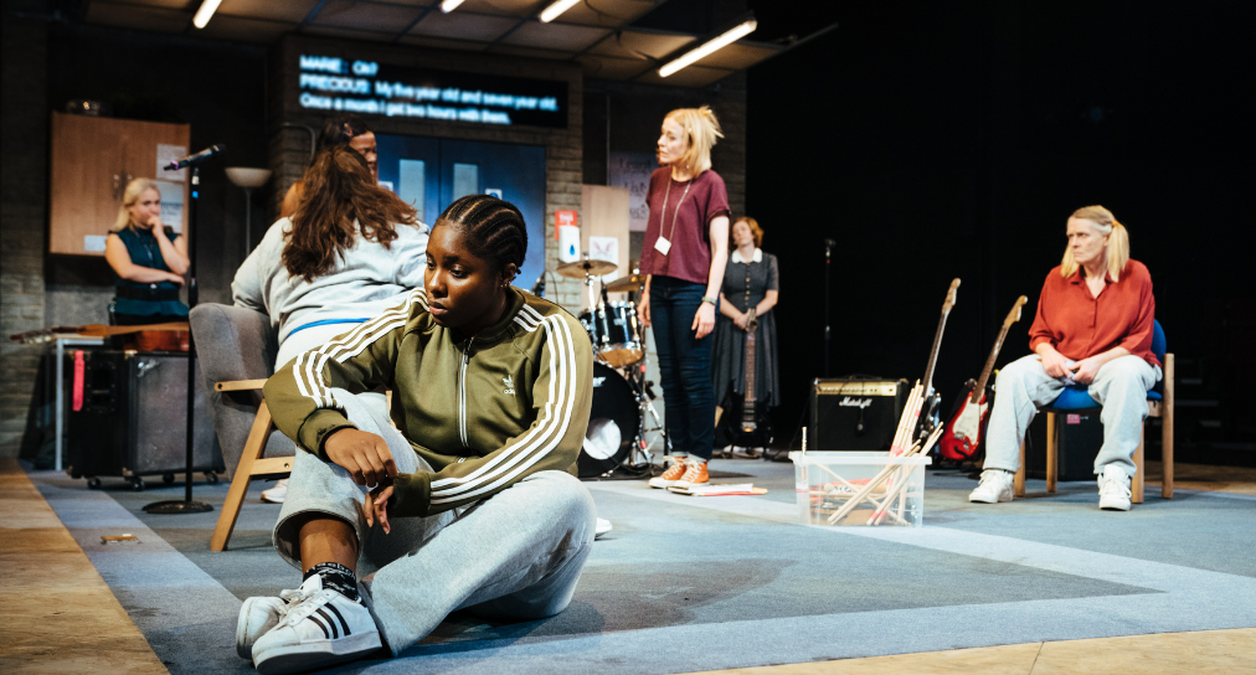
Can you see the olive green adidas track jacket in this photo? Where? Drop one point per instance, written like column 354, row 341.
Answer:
column 485, row 412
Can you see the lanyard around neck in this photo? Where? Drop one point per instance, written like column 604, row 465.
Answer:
column 676, row 214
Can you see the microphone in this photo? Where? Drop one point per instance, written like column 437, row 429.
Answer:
column 197, row 158
column 538, row 289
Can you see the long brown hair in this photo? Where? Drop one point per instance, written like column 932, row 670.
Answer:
column 339, row 190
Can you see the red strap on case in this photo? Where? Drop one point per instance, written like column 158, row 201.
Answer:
column 79, row 368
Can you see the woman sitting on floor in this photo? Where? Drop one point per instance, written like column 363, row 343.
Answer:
column 471, row 502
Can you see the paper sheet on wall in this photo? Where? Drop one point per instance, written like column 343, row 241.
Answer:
column 167, row 154
column 171, row 203
column 632, row 170
column 605, row 248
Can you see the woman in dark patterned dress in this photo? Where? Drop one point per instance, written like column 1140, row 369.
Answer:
column 751, row 280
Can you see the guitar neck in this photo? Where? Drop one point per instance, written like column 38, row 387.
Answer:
column 1012, row 317
column 933, row 353
column 980, row 388
column 937, row 337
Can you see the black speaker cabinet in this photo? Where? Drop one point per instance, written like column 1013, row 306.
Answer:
column 855, row 413
column 127, row 416
column 1079, row 436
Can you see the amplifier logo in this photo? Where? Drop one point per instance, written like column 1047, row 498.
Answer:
column 848, row 402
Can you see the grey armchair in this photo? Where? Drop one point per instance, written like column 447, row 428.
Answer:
column 236, row 350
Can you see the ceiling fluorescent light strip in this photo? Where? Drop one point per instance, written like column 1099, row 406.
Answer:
column 448, row 6
column 208, row 7
column 732, row 35
column 555, row 10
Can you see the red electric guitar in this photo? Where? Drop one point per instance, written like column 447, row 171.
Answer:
column 965, row 432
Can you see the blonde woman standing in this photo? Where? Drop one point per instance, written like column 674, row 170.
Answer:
column 1093, row 326
column 148, row 259
column 684, row 255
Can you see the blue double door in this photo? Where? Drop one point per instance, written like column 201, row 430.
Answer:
column 430, row 173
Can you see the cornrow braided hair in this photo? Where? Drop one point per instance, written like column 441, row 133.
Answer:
column 492, row 228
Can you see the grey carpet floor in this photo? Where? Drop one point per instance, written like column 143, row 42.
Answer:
column 684, row 584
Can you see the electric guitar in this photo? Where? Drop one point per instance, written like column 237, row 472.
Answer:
column 930, row 417
column 965, row 432
column 749, row 427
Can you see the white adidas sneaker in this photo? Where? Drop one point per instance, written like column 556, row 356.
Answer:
column 261, row 613
column 603, row 526
column 1114, row 489
column 995, row 487
column 323, row 629
column 258, row 615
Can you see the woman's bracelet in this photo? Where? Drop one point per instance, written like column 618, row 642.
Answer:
column 707, row 298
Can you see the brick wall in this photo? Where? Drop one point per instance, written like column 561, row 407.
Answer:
column 23, row 208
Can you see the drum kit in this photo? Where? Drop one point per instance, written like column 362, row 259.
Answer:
column 623, row 414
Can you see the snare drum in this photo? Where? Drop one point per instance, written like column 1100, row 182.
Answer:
column 615, row 334
column 613, row 422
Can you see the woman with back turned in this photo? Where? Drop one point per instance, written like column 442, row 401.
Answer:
column 351, row 250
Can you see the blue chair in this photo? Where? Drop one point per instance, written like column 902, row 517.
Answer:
column 1076, row 399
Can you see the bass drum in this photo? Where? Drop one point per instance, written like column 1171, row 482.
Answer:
column 613, row 424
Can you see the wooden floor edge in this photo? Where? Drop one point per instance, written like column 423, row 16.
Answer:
column 43, row 533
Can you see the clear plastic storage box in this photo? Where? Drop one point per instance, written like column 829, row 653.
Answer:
column 884, row 489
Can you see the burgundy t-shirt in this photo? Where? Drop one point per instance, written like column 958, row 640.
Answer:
column 690, row 207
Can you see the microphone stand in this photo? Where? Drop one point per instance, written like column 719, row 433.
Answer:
column 186, row 505
column 828, row 255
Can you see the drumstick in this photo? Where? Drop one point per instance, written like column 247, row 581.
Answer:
column 900, row 490
column 910, row 420
column 906, row 420
column 862, row 495
column 898, row 430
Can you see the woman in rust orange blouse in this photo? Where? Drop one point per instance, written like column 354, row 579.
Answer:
column 1093, row 327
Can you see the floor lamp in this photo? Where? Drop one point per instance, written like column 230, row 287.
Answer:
column 249, row 179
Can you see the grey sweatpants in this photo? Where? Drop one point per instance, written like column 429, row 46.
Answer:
column 1023, row 386
column 516, row 555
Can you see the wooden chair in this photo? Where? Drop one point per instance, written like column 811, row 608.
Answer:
column 252, row 466
column 236, row 351
column 1159, row 403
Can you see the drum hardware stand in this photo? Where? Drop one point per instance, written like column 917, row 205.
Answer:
column 641, row 453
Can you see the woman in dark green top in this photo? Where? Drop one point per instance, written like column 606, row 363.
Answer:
column 148, row 259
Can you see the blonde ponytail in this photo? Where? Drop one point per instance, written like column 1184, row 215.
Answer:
column 702, row 129
column 1118, row 248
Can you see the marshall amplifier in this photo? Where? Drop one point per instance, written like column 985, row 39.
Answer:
column 855, row 413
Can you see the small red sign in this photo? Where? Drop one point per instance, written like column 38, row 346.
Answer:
column 1073, row 418
column 563, row 218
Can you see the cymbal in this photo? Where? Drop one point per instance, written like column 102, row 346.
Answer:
column 582, row 268
column 632, row 282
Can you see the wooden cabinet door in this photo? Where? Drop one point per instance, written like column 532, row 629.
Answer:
column 93, row 158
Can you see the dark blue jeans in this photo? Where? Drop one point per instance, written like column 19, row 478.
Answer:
column 684, row 366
